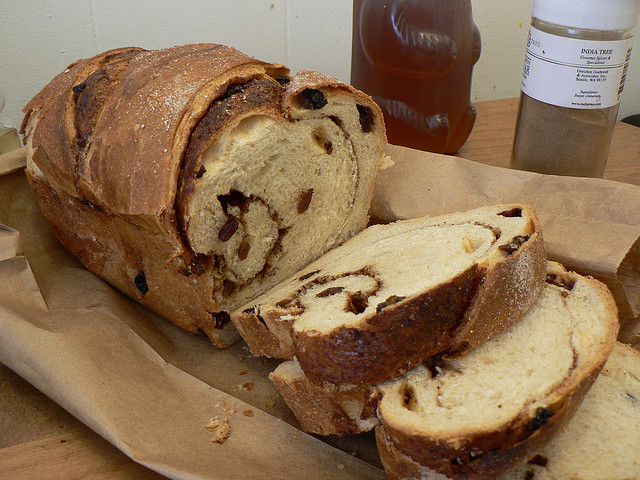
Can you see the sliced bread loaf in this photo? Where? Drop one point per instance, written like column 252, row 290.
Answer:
column 194, row 178
column 397, row 294
column 479, row 416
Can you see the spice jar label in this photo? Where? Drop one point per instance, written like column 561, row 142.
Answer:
column 575, row 73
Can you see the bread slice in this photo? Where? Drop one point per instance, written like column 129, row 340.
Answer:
column 397, row 294
column 194, row 178
column 599, row 442
column 326, row 409
column 602, row 440
column 479, row 416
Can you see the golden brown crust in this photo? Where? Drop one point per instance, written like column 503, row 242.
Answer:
column 500, row 301
column 108, row 138
column 85, row 102
column 396, row 338
column 95, row 237
column 324, row 411
column 486, row 454
column 52, row 150
column 54, row 140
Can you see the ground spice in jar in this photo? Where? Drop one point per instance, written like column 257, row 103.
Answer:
column 574, row 71
column 562, row 141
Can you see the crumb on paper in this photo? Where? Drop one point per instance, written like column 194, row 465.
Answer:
column 248, row 386
column 341, row 466
column 220, row 428
column 387, row 162
column 269, row 402
column 243, row 372
column 248, row 412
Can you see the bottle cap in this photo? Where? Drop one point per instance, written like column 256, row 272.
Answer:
column 588, row 14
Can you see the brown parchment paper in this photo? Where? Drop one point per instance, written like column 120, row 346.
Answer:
column 590, row 225
column 144, row 385
column 149, row 387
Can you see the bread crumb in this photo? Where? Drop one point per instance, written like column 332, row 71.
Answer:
column 220, row 429
column 243, row 372
column 269, row 402
column 248, row 412
column 341, row 466
column 248, row 386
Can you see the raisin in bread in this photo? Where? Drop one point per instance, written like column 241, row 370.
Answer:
column 195, row 178
column 396, row 294
column 479, row 416
column 602, row 440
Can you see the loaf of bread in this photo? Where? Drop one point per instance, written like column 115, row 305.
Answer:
column 195, row 178
column 602, row 439
column 479, row 416
column 396, row 294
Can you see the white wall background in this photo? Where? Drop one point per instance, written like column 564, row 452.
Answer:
column 39, row 38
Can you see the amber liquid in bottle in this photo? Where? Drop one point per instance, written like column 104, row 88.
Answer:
column 415, row 58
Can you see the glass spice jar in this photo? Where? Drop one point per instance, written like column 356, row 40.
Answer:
column 574, row 71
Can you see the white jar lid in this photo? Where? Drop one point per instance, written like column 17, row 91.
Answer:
column 588, row 14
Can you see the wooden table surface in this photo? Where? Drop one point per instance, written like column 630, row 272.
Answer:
column 492, row 137
column 40, row 440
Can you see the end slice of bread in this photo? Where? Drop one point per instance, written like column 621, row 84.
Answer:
column 481, row 415
column 397, row 294
column 328, row 409
column 602, row 440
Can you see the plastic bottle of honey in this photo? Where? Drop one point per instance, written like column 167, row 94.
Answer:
column 415, row 58
column 574, row 72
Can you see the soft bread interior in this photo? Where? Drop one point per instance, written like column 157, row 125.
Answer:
column 544, row 354
column 388, row 263
column 602, row 438
column 272, row 163
column 277, row 191
column 431, row 256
